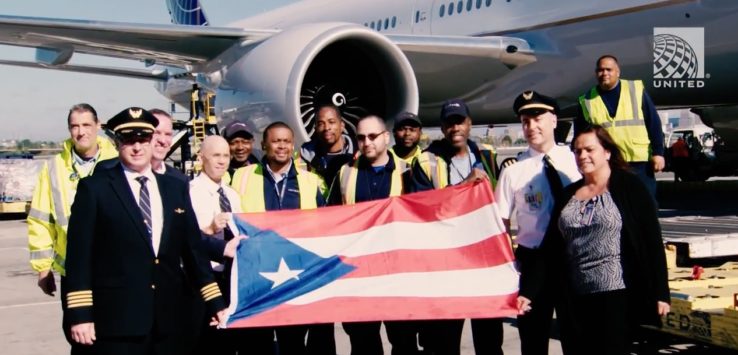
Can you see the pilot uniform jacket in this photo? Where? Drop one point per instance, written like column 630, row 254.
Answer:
column 114, row 278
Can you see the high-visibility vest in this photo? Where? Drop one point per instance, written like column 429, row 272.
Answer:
column 628, row 127
column 51, row 206
column 411, row 157
column 436, row 169
column 249, row 183
column 349, row 174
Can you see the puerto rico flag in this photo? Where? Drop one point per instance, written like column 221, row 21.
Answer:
column 439, row 254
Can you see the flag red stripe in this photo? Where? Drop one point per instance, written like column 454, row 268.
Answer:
column 338, row 220
column 492, row 251
column 357, row 309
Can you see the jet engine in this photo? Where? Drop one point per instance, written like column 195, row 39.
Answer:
column 285, row 77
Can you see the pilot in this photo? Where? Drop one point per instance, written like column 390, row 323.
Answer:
column 629, row 116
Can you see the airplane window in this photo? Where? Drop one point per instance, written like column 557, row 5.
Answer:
column 479, row 4
column 468, row 5
column 386, row 23
column 442, row 10
column 417, row 16
column 450, row 8
column 460, row 6
column 394, row 21
column 372, row 25
column 379, row 25
column 488, row 3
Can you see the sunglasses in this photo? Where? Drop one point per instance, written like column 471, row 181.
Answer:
column 371, row 136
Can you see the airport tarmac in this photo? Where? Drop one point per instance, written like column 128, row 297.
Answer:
column 30, row 322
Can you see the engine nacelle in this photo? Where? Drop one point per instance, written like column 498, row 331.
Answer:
column 280, row 79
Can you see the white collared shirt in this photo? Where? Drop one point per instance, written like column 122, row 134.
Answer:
column 206, row 203
column 524, row 189
column 157, row 209
column 206, row 200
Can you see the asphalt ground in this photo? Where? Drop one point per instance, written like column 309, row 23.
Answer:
column 30, row 322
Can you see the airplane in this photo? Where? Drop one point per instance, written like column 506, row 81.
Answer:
column 385, row 57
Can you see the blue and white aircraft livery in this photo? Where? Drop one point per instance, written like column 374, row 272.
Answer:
column 388, row 56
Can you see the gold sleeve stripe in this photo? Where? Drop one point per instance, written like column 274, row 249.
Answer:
column 79, row 305
column 76, row 297
column 213, row 296
column 86, row 292
column 210, row 293
column 80, row 301
column 209, row 286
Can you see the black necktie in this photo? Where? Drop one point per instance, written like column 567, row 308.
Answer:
column 225, row 206
column 552, row 175
column 144, row 202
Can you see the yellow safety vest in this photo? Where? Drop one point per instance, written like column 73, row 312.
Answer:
column 51, row 206
column 436, row 168
column 349, row 173
column 628, row 127
column 249, row 183
column 411, row 157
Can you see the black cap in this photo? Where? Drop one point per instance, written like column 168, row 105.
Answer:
column 236, row 129
column 534, row 103
column 407, row 119
column 454, row 107
column 133, row 122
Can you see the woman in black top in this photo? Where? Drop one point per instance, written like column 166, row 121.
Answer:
column 604, row 243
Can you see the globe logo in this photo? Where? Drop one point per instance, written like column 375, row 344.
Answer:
column 673, row 58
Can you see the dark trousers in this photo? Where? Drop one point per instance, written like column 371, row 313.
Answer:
column 644, row 171
column 487, row 335
column 152, row 344
column 603, row 322
column 403, row 335
column 443, row 337
column 535, row 326
column 320, row 339
column 364, row 337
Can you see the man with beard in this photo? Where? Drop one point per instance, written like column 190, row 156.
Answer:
column 407, row 131
column 330, row 148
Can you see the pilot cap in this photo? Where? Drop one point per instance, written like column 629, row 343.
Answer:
column 454, row 108
column 531, row 102
column 133, row 122
column 407, row 119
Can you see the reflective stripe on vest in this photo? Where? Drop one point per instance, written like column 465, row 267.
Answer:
column 349, row 174
column 628, row 127
column 249, row 183
column 58, row 194
column 434, row 168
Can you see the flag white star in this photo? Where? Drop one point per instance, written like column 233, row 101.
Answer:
column 282, row 275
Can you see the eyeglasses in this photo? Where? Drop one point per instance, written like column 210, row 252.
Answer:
column 371, row 136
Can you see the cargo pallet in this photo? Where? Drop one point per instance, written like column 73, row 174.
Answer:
column 705, row 309
column 15, row 207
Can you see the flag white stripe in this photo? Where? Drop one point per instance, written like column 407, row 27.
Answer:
column 455, row 232
column 493, row 281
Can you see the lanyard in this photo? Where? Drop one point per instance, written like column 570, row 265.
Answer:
column 280, row 192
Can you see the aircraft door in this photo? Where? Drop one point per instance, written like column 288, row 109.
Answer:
column 421, row 17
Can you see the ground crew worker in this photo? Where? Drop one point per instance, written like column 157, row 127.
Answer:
column 407, row 132
column 629, row 116
column 54, row 192
column 455, row 160
column 374, row 175
column 526, row 191
column 329, row 148
column 276, row 183
column 196, row 103
column 241, row 143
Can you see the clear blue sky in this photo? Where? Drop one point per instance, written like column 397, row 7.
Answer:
column 35, row 101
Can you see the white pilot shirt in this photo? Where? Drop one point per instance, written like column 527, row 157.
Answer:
column 524, row 188
column 157, row 209
column 206, row 200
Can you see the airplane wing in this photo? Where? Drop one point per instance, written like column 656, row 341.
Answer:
column 175, row 45
column 158, row 74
